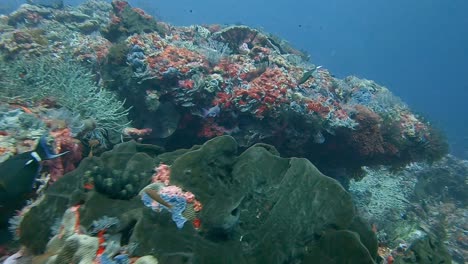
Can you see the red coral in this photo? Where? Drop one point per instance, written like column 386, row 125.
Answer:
column 259, row 53
column 367, row 138
column 317, row 107
column 223, row 99
column 341, row 113
column 119, row 6
column 142, row 13
column 210, row 130
column 273, row 82
column 173, row 57
column 187, row 84
column 228, row 69
column 63, row 142
column 269, row 91
column 101, row 243
column 115, row 19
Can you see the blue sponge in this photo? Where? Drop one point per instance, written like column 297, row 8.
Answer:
column 178, row 206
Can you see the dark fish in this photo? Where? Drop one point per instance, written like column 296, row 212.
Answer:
column 18, row 174
column 307, row 75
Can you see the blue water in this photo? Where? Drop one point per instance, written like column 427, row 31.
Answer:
column 417, row 48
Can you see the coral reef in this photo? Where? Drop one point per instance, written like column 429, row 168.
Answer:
column 263, row 89
column 265, row 94
column 69, row 85
column 243, row 116
column 126, row 20
column 160, row 194
column 255, row 208
column 121, row 173
column 414, row 209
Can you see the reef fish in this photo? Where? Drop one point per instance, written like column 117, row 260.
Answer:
column 307, row 75
column 212, row 112
column 19, row 173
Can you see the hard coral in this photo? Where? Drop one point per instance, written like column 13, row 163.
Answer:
column 316, row 106
column 266, row 93
column 126, row 21
column 211, row 130
column 142, row 13
column 367, row 138
column 236, row 36
column 92, row 49
column 23, row 42
column 181, row 59
column 119, row 6
column 228, row 69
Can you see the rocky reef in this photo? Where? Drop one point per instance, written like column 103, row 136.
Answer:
column 413, row 210
column 209, row 142
column 257, row 207
column 185, row 85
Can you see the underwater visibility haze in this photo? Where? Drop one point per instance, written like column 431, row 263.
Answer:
column 233, row 132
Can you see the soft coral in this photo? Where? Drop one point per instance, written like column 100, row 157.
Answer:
column 64, row 142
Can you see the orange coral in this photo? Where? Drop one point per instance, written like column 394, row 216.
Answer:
column 173, row 57
column 269, row 90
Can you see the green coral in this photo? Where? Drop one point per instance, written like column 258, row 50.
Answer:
column 122, row 172
column 66, row 82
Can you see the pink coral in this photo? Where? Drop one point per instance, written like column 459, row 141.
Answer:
column 187, row 84
column 197, row 206
column 171, row 190
column 190, row 197
column 135, row 132
column 163, row 174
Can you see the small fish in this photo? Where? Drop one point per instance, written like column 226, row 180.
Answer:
column 318, row 138
column 14, row 258
column 307, row 75
column 18, row 174
column 212, row 112
column 188, row 104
